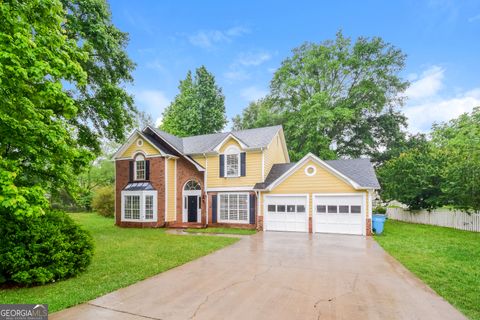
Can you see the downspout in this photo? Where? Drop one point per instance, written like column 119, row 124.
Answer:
column 205, row 174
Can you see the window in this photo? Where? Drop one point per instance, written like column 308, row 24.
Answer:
column 300, row 208
column 232, row 165
column 343, row 209
column 139, row 205
column 321, row 209
column 192, row 185
column 332, row 209
column 132, row 207
column 355, row 209
column 290, row 208
column 233, row 207
column 271, row 208
column 148, row 207
column 281, row 208
column 140, row 167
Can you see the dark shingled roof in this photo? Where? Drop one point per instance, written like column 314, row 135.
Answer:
column 138, row 186
column 359, row 170
column 252, row 138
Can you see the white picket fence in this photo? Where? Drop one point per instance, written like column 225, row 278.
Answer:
column 439, row 217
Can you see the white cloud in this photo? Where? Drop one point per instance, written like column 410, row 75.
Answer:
column 151, row 101
column 253, row 93
column 237, row 75
column 427, row 105
column 252, row 58
column 427, row 85
column 474, row 18
column 207, row 39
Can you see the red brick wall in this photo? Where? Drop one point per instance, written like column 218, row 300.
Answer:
column 157, row 179
column 369, row 227
column 234, row 225
column 187, row 171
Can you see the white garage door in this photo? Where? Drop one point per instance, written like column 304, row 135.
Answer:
column 339, row 214
column 286, row 213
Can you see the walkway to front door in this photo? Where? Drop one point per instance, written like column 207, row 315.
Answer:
column 278, row 275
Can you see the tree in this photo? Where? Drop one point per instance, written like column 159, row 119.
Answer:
column 413, row 178
column 61, row 71
column 199, row 108
column 337, row 98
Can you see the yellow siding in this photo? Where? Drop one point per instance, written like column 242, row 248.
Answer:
column 147, row 148
column 253, row 161
column 274, row 154
column 322, row 182
column 171, row 182
column 200, row 160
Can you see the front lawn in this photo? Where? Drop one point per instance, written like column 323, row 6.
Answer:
column 122, row 257
column 223, row 230
column 446, row 259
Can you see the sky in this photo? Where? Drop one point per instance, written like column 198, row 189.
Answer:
column 243, row 42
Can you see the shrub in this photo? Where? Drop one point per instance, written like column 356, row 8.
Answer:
column 380, row 210
column 104, row 201
column 41, row 249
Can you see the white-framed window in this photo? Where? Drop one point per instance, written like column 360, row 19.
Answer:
column 140, row 170
column 139, row 206
column 232, row 162
column 233, row 207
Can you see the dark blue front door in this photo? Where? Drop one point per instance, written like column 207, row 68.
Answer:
column 192, row 208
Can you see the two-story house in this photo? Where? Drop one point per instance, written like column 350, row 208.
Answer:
column 242, row 179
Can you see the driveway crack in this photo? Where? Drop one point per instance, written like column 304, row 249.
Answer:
column 121, row 311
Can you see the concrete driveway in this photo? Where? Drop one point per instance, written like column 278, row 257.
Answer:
column 278, row 276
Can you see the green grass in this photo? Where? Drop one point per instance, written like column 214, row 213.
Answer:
column 122, row 257
column 223, row 231
column 446, row 259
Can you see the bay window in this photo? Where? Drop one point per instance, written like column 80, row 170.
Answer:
column 234, row 207
column 139, row 206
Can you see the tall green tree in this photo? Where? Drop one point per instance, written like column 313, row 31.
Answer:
column 337, row 98
column 199, row 108
column 61, row 87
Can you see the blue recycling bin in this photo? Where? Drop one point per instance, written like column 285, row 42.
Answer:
column 378, row 222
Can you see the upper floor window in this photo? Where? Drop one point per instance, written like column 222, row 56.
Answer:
column 140, row 168
column 232, row 162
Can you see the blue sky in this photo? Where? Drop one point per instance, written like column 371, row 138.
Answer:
column 242, row 43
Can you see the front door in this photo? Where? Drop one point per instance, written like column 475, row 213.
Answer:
column 192, row 208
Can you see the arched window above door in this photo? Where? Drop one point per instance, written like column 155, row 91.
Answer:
column 192, row 185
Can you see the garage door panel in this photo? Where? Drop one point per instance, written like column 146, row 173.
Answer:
column 286, row 213
column 339, row 214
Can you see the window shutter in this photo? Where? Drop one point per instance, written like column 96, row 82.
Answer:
column 147, row 170
column 243, row 167
column 252, row 209
column 130, row 171
column 214, row 209
column 222, row 165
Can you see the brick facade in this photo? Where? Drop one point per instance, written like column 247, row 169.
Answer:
column 186, row 171
column 233, row 225
column 369, row 227
column 157, row 179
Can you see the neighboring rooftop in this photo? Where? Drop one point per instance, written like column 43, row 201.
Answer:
column 359, row 170
column 252, row 138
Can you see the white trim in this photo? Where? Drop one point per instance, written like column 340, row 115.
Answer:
column 263, row 165
column 199, row 167
column 307, row 206
column 370, row 203
column 185, row 194
column 142, row 195
column 130, row 140
column 135, row 166
column 313, row 172
column 259, row 197
column 219, row 146
column 284, row 145
column 205, row 176
column 219, row 220
column 227, row 189
column 175, row 190
column 314, row 158
column 166, row 189
column 138, row 151
column 357, row 194
column 139, row 142
column 232, row 150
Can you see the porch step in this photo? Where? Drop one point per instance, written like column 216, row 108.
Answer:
column 187, row 225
